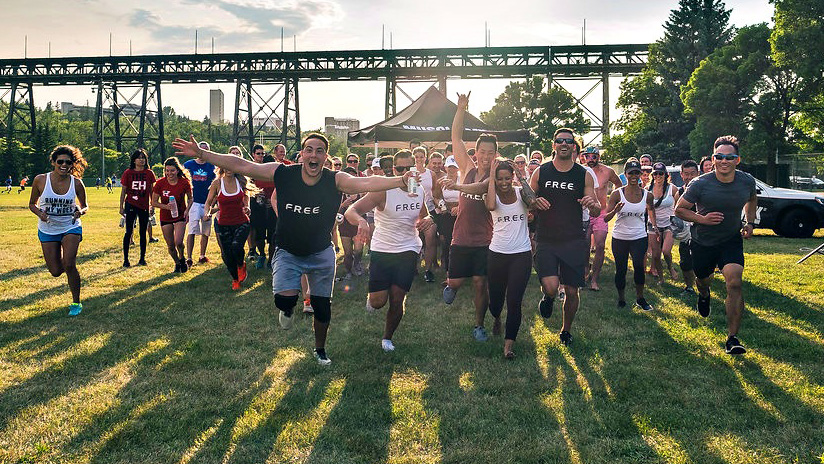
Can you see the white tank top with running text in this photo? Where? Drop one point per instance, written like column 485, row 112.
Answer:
column 666, row 209
column 510, row 231
column 395, row 230
column 631, row 220
column 60, row 209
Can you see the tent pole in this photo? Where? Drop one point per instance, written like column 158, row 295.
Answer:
column 376, row 148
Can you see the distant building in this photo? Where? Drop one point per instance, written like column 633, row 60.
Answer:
column 125, row 110
column 272, row 122
column 338, row 128
column 216, row 106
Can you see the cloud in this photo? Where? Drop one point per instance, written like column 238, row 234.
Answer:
column 237, row 25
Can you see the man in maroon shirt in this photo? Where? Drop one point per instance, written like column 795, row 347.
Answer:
column 473, row 225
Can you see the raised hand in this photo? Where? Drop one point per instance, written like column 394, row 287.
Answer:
column 463, row 101
column 185, row 147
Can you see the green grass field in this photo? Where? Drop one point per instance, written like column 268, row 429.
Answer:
column 169, row 368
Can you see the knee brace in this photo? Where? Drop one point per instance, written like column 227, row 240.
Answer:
column 323, row 308
column 286, row 303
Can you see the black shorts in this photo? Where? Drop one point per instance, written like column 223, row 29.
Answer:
column 685, row 256
column 166, row 223
column 388, row 269
column 705, row 259
column 257, row 216
column 567, row 260
column 467, row 261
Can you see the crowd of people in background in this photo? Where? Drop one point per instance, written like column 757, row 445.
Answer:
column 486, row 221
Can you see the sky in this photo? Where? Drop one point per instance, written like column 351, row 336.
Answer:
column 39, row 28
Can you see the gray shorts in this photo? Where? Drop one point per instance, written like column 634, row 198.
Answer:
column 319, row 269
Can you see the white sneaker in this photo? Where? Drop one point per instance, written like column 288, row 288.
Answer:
column 322, row 359
column 307, row 307
column 285, row 321
column 369, row 308
column 387, row 345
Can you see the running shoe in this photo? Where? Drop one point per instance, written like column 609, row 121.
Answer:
column 703, row 305
column 344, row 278
column 369, row 308
column 642, row 303
column 510, row 355
column 154, row 240
column 285, row 320
column 189, row 263
column 184, row 266
column 126, row 263
column 177, row 267
column 142, row 262
column 307, row 306
column 260, row 262
column 203, row 260
column 622, row 304
column 545, row 306
column 688, row 291
column 733, row 346
column 387, row 345
column 357, row 269
column 449, row 294
column 75, row 308
column 566, row 338
column 241, row 272
column 235, row 285
column 429, row 276
column 480, row 334
column 321, row 358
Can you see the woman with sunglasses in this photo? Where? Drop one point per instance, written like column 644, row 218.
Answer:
column 337, row 163
column 172, row 195
column 59, row 228
column 137, row 183
column 665, row 195
column 231, row 193
column 630, row 204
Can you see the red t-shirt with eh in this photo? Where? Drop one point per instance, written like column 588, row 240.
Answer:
column 137, row 185
column 165, row 190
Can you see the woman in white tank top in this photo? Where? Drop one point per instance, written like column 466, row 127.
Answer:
column 665, row 195
column 58, row 199
column 631, row 204
column 430, row 249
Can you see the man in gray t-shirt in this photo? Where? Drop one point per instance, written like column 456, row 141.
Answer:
column 718, row 198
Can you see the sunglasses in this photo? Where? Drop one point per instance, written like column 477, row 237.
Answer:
column 592, row 155
column 657, row 173
column 633, row 173
column 723, row 156
column 337, row 164
column 568, row 141
column 520, row 162
column 402, row 168
column 350, row 161
column 61, row 162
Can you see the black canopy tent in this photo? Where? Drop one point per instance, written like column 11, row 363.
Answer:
column 428, row 120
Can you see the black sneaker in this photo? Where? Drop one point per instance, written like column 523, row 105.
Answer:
column 622, row 304
column 177, row 267
column 642, row 303
column 545, row 306
column 189, row 263
column 733, row 346
column 153, row 240
column 688, row 291
column 703, row 305
column 142, row 262
column 429, row 276
column 126, row 263
column 184, row 266
column 566, row 338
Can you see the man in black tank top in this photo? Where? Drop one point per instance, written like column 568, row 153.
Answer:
column 308, row 199
column 562, row 253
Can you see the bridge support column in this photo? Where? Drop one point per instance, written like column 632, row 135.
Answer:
column 20, row 123
column 267, row 113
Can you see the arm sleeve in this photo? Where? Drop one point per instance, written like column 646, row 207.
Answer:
column 693, row 192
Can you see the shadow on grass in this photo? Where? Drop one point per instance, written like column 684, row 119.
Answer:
column 41, row 266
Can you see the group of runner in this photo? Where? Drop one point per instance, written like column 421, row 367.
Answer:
column 473, row 206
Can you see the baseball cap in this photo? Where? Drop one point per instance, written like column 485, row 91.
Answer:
column 376, row 163
column 632, row 165
column 450, row 161
column 592, row 150
column 659, row 167
column 534, row 162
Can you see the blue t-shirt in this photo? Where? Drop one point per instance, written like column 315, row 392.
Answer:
column 202, row 177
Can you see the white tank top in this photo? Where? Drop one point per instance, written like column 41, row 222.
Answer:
column 595, row 185
column 395, row 230
column 426, row 183
column 451, row 196
column 631, row 222
column 510, row 233
column 60, row 209
column 666, row 209
column 223, row 188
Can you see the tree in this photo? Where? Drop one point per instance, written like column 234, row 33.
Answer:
column 527, row 105
column 653, row 118
column 740, row 90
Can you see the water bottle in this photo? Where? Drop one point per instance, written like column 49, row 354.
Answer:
column 122, row 221
column 173, row 204
column 153, row 220
column 413, row 182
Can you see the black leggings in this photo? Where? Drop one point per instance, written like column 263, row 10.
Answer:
column 508, row 275
column 621, row 251
column 232, row 241
column 142, row 215
column 446, row 223
column 271, row 226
